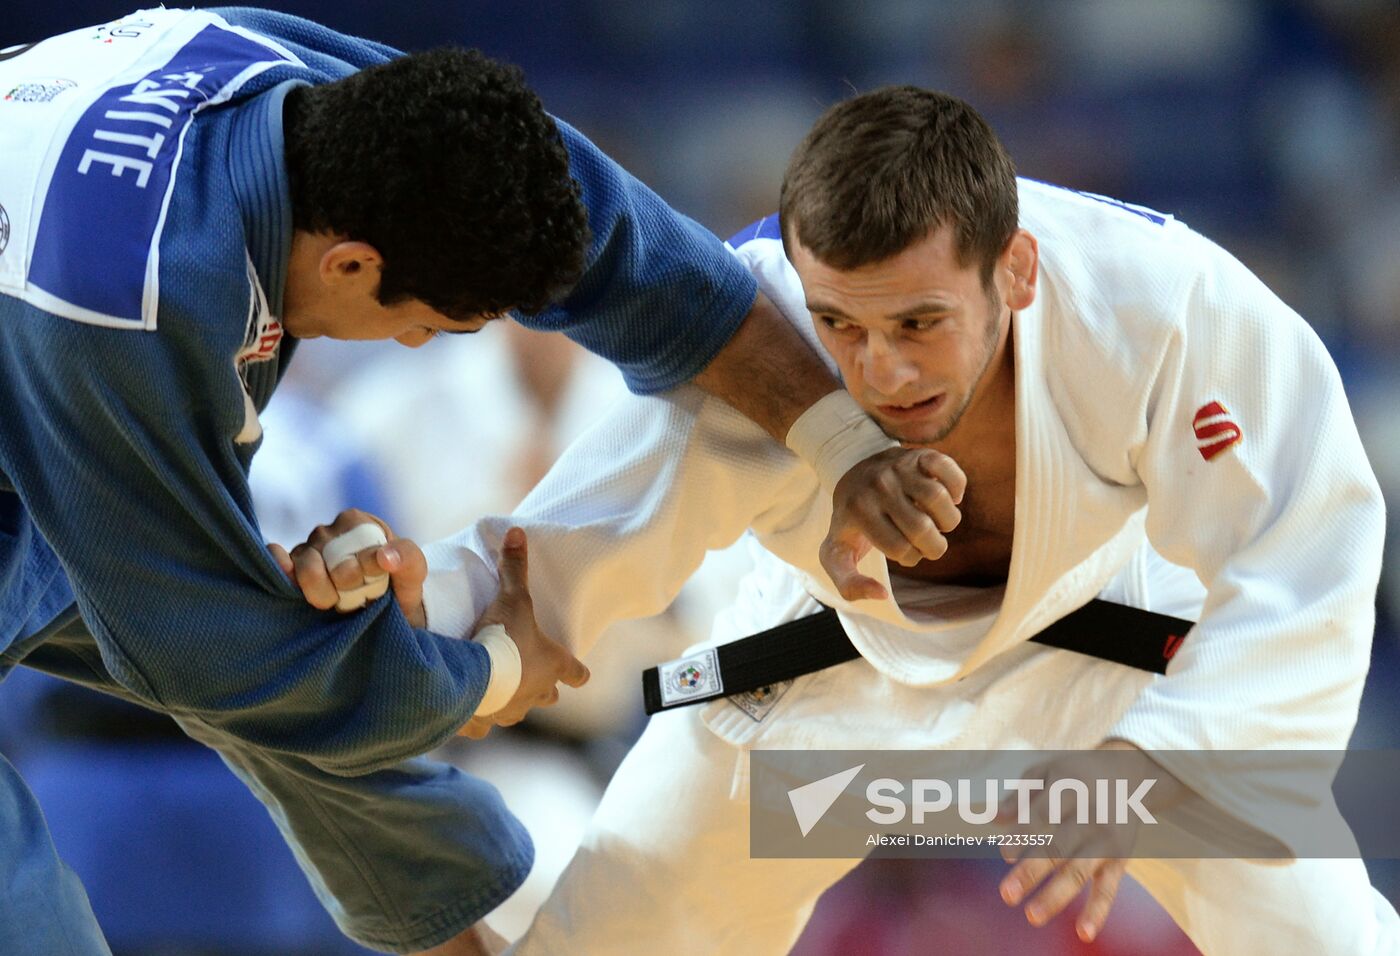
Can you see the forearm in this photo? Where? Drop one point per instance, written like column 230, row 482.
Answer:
column 639, row 499
column 768, row 371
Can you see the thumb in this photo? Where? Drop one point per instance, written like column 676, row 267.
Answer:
column 839, row 557
column 514, row 567
column 283, row 559
column 575, row 673
column 408, row 569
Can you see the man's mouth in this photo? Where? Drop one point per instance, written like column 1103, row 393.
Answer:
column 911, row 409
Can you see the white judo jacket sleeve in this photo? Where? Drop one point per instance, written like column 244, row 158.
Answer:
column 1256, row 479
column 626, row 515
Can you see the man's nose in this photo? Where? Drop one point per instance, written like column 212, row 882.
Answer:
column 886, row 368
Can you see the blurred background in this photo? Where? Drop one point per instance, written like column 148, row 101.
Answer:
column 1272, row 126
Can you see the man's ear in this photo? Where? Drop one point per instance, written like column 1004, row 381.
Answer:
column 1021, row 260
column 351, row 262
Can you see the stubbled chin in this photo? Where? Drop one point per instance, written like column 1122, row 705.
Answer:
column 913, row 433
column 900, row 432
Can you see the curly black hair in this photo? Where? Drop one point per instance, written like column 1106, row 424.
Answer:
column 447, row 164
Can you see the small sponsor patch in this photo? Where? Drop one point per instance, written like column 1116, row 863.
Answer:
column 759, row 703
column 128, row 28
column 39, row 90
column 690, row 677
column 264, row 334
column 1215, row 430
column 4, row 230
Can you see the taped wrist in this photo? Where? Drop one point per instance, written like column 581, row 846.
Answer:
column 505, row 669
column 834, row 434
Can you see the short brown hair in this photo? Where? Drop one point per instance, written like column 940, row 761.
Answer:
column 882, row 170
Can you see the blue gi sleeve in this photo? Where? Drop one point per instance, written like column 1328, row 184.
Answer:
column 120, row 445
column 660, row 295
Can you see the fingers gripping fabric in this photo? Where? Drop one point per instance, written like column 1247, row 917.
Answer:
column 345, row 547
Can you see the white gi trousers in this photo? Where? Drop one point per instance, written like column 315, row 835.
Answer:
column 665, row 866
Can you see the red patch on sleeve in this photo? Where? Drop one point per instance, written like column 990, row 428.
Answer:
column 1215, row 430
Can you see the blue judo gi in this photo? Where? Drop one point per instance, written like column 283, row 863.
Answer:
column 145, row 226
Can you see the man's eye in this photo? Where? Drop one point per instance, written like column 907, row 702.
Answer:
column 921, row 325
column 836, row 325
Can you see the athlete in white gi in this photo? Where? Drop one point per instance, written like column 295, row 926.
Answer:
column 1154, row 424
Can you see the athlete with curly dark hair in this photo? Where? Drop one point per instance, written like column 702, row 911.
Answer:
column 200, row 188
column 448, row 165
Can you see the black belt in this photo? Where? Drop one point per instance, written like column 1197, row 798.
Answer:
column 1113, row 632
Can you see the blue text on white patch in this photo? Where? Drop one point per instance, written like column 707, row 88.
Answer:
column 106, row 201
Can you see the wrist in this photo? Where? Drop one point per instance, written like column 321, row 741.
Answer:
column 505, row 669
column 834, row 435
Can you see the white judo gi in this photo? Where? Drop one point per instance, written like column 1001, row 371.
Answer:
column 1183, row 444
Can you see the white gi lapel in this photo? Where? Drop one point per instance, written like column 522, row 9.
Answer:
column 1073, row 532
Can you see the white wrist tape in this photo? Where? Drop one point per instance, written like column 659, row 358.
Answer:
column 346, row 546
column 834, row 434
column 505, row 669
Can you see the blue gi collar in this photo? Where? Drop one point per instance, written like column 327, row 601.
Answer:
column 258, row 167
